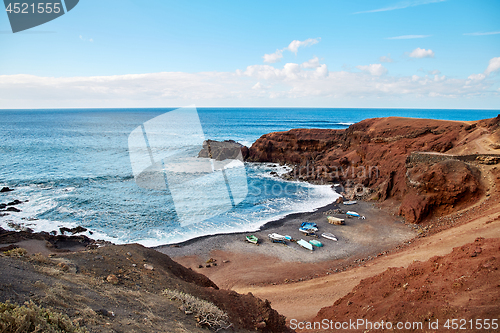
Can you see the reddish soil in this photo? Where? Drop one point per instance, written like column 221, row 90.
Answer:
column 464, row 285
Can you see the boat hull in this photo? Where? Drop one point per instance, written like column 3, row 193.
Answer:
column 305, row 245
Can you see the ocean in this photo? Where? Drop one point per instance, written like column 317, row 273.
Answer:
column 71, row 167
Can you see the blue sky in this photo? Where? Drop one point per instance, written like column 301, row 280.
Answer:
column 361, row 53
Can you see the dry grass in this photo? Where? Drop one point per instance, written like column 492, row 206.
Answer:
column 32, row 318
column 17, row 252
column 207, row 314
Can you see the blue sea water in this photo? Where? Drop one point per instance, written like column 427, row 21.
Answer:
column 73, row 168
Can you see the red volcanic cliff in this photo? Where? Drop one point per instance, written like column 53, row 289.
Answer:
column 373, row 159
column 462, row 285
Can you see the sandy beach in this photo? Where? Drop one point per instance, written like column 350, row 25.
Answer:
column 273, row 263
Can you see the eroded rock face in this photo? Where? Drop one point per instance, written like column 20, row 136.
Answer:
column 369, row 158
column 438, row 188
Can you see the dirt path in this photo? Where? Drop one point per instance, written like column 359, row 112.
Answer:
column 304, row 299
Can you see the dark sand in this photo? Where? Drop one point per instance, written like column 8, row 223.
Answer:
column 380, row 231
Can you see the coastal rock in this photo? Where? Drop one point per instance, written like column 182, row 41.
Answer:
column 224, row 150
column 73, row 231
column 6, row 189
column 369, row 159
column 13, row 209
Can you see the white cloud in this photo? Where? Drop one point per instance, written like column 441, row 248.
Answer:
column 422, row 53
column 311, row 63
column 435, row 72
column 374, row 69
column 493, row 66
column 476, row 77
column 273, row 57
column 482, row 33
column 294, row 45
column 386, row 58
column 409, row 37
column 401, row 5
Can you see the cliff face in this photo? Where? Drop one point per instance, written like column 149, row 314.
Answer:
column 371, row 160
column 462, row 284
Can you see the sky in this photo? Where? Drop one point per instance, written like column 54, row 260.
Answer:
column 160, row 53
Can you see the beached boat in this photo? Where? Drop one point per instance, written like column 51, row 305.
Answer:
column 350, row 202
column 316, row 243
column 335, row 220
column 252, row 239
column 330, row 236
column 307, row 232
column 353, row 214
column 309, row 225
column 305, row 244
column 308, row 228
column 278, row 238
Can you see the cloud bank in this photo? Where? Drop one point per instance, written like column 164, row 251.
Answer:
column 292, row 84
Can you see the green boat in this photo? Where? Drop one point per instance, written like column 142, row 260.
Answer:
column 252, row 239
column 316, row 243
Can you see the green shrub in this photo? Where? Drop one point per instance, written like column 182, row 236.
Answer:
column 32, row 318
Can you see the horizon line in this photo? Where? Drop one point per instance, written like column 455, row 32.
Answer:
column 255, row 107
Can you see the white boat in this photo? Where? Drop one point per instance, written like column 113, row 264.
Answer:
column 308, row 231
column 305, row 244
column 330, row 236
column 352, row 214
column 350, row 202
column 277, row 237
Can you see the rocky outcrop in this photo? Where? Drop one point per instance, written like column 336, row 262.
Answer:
column 369, row 159
column 6, row 189
column 223, row 150
column 439, row 188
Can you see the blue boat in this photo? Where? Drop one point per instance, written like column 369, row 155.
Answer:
column 309, row 226
column 352, row 214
